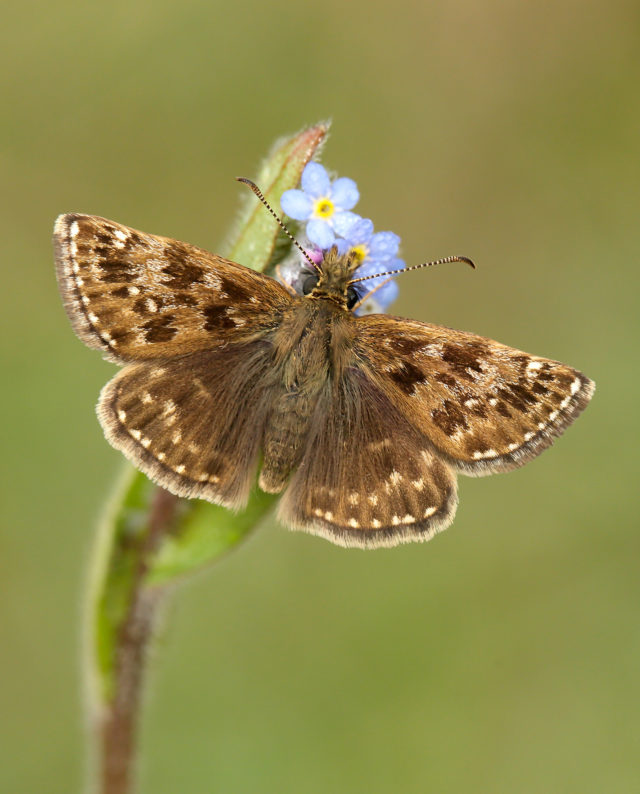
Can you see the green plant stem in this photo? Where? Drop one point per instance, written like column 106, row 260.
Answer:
column 150, row 538
column 117, row 722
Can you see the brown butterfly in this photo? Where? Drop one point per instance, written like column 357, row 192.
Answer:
column 363, row 422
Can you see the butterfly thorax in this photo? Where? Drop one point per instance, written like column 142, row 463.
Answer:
column 311, row 350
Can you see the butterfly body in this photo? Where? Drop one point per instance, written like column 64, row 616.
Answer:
column 362, row 422
column 302, row 365
column 312, row 348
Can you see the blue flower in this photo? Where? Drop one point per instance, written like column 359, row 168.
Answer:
column 323, row 204
column 377, row 294
column 377, row 254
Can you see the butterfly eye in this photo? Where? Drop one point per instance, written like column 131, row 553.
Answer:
column 309, row 283
column 352, row 297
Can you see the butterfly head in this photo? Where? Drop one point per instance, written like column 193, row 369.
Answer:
column 332, row 279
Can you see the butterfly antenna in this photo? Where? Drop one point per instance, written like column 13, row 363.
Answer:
column 443, row 261
column 260, row 195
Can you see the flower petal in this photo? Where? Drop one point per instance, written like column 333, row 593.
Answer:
column 383, row 245
column 296, row 204
column 315, row 254
column 344, row 193
column 315, row 180
column 378, row 301
column 320, row 233
column 368, row 306
column 387, row 293
column 343, row 222
column 360, row 232
column 396, row 264
column 373, row 267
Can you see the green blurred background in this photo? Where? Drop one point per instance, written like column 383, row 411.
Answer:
column 501, row 657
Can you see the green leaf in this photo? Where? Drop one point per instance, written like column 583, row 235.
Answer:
column 206, row 532
column 254, row 240
column 148, row 537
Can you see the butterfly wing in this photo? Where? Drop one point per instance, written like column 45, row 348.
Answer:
column 136, row 296
column 189, row 409
column 420, row 402
column 193, row 424
column 486, row 407
column 368, row 477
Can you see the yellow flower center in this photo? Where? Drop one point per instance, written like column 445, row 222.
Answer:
column 323, row 208
column 359, row 253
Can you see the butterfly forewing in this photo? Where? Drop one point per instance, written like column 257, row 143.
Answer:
column 138, row 296
column 484, row 406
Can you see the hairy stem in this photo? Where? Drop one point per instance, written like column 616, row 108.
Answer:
column 118, row 720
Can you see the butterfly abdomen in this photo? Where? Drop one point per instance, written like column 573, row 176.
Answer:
column 284, row 438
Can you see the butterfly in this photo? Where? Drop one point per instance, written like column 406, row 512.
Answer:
column 362, row 423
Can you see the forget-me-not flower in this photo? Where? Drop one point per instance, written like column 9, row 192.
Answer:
column 323, row 204
column 377, row 254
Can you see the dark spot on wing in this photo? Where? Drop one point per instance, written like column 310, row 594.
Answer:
column 181, row 275
column 539, row 388
column 214, row 467
column 119, row 334
column 522, row 361
column 142, row 305
column 235, row 292
column 563, row 379
column 448, row 380
column 159, row 329
column 175, row 252
column 478, row 409
column 405, row 345
column 407, row 376
column 517, row 396
column 217, row 317
column 462, row 358
column 472, row 445
column 449, row 418
column 115, row 270
column 133, row 239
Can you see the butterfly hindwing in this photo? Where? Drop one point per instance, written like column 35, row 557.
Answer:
column 485, row 406
column 367, row 478
column 193, row 424
column 137, row 296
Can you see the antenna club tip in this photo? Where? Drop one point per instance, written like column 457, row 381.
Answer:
column 469, row 262
column 245, row 180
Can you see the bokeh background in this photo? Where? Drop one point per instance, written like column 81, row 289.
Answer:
column 501, row 657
